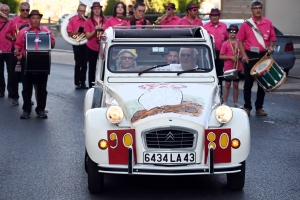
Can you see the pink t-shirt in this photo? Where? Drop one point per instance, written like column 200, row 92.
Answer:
column 114, row 21
column 75, row 23
column 246, row 34
column 20, row 42
column 140, row 23
column 227, row 51
column 5, row 44
column 89, row 26
column 14, row 24
column 173, row 21
column 185, row 21
column 218, row 31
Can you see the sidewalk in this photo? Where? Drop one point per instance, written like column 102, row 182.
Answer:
column 62, row 57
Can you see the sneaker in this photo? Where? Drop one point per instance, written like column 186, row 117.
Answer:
column 83, row 86
column 15, row 102
column 41, row 114
column 236, row 105
column 247, row 111
column 25, row 115
column 77, row 87
column 261, row 112
column 32, row 103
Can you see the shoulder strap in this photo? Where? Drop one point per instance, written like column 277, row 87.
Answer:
column 3, row 26
column 257, row 33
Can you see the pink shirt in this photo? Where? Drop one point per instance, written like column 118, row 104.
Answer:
column 173, row 21
column 114, row 21
column 75, row 23
column 140, row 23
column 89, row 26
column 14, row 24
column 227, row 51
column 246, row 34
column 20, row 42
column 218, row 31
column 185, row 21
column 5, row 44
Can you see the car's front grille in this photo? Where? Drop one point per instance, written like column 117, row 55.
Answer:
column 169, row 138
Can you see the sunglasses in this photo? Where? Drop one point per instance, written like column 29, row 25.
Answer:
column 185, row 55
column 257, row 8
column 233, row 31
column 142, row 11
column 23, row 10
column 126, row 58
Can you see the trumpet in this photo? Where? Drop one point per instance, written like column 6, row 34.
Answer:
column 3, row 15
column 157, row 22
column 99, row 33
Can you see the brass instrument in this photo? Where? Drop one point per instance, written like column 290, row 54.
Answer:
column 79, row 36
column 3, row 15
column 157, row 22
column 99, row 33
column 16, row 31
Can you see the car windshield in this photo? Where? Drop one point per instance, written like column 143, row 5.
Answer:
column 160, row 58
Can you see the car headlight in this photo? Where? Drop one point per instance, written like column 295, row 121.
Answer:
column 114, row 114
column 223, row 114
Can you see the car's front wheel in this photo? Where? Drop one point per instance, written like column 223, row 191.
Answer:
column 236, row 181
column 287, row 71
column 95, row 178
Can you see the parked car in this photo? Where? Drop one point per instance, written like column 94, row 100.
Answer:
column 283, row 55
column 146, row 117
column 12, row 15
column 60, row 20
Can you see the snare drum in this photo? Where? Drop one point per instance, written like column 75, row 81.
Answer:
column 38, row 48
column 268, row 74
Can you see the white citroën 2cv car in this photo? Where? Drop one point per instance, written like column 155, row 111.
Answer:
column 156, row 109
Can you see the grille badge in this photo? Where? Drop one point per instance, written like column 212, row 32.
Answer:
column 170, row 136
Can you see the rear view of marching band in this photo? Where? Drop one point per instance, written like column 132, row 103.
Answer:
column 84, row 33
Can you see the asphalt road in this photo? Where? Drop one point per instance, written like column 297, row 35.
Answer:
column 43, row 158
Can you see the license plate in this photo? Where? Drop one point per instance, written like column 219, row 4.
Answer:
column 169, row 158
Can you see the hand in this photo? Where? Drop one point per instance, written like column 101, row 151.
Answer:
column 232, row 58
column 271, row 50
column 16, row 52
column 245, row 59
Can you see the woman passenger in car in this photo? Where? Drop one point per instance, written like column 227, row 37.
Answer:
column 126, row 60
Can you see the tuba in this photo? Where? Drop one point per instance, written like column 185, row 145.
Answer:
column 80, row 36
column 78, row 39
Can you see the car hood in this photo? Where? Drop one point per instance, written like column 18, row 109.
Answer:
column 142, row 103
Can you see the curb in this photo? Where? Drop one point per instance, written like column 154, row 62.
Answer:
column 62, row 50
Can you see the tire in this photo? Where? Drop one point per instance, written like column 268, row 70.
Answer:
column 86, row 162
column 95, row 178
column 286, row 71
column 236, row 181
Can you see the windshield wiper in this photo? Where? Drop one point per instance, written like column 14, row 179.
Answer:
column 194, row 69
column 155, row 66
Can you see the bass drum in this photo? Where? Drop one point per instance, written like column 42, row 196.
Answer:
column 64, row 32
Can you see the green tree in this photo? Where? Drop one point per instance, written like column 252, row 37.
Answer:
column 13, row 5
column 109, row 9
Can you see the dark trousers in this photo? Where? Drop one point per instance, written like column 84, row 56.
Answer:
column 4, row 58
column 14, row 78
column 219, row 68
column 92, row 57
column 28, row 80
column 80, row 57
column 260, row 95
